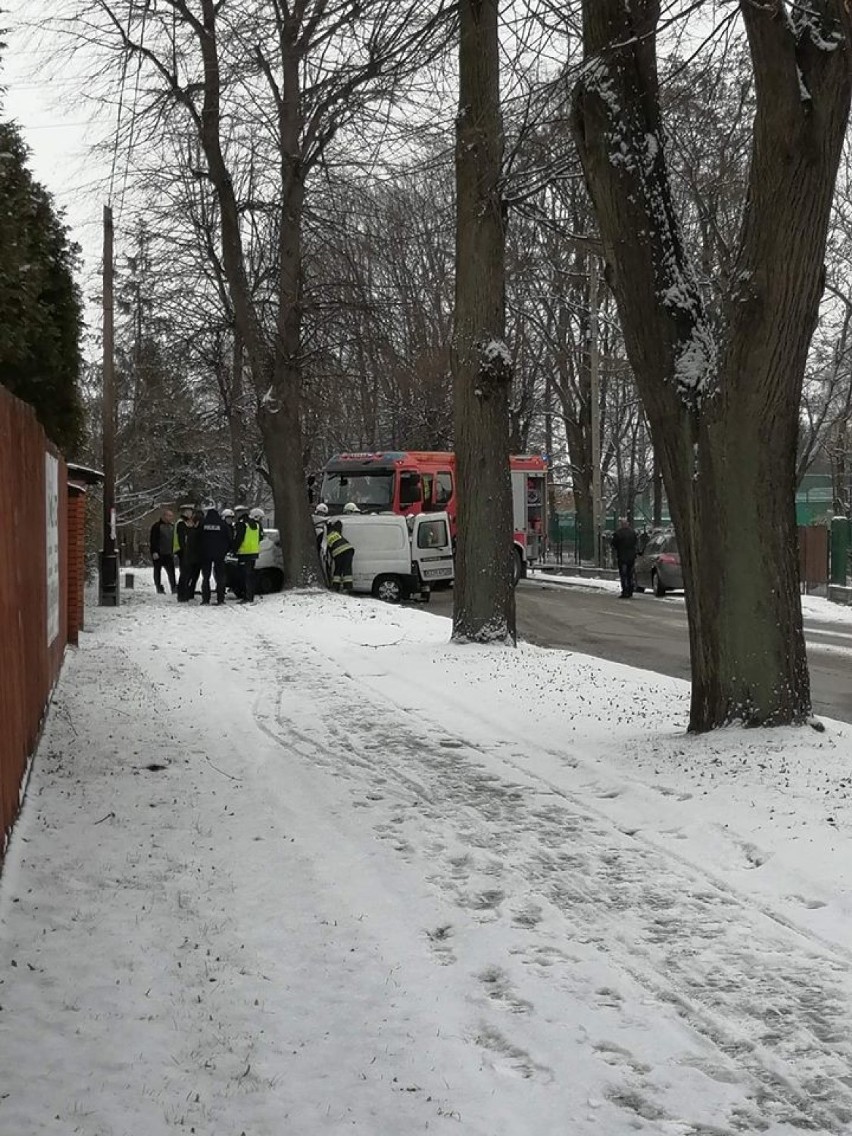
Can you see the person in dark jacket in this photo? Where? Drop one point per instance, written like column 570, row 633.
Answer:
column 190, row 561
column 179, row 541
column 625, row 544
column 342, row 554
column 162, row 535
column 216, row 540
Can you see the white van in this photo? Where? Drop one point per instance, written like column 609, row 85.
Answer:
column 396, row 557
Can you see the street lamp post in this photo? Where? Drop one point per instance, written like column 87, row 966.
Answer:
column 108, row 579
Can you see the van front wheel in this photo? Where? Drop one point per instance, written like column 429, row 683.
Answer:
column 389, row 589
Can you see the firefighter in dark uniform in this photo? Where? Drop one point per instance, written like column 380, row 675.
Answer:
column 247, row 537
column 342, row 554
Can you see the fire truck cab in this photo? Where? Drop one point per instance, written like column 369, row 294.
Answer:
column 411, row 482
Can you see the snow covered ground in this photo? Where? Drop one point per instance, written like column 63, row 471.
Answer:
column 307, row 868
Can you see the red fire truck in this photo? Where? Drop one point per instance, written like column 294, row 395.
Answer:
column 410, row 481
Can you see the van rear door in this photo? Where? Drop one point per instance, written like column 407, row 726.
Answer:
column 432, row 548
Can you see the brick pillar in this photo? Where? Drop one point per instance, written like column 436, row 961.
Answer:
column 76, row 560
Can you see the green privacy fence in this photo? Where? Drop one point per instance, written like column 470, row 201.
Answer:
column 814, row 499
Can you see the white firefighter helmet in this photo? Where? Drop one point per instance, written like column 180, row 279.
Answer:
column 257, row 514
column 322, row 509
column 227, row 514
column 351, row 507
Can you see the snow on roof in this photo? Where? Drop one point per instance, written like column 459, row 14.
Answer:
column 84, row 474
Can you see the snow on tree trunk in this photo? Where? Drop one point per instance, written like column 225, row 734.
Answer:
column 484, row 602
column 723, row 400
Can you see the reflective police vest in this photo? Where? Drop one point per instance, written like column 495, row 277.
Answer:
column 179, row 528
column 250, row 544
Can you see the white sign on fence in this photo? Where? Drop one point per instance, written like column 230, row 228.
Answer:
column 51, row 526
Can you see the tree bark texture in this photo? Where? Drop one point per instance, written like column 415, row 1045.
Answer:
column 723, row 398
column 484, row 601
column 236, row 424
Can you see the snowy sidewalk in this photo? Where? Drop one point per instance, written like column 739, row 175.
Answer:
column 306, row 868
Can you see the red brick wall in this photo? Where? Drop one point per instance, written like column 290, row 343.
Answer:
column 29, row 665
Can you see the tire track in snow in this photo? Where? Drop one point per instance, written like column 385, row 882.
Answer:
column 771, row 999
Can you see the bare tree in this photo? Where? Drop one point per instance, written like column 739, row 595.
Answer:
column 299, row 74
column 722, row 396
column 827, row 397
column 379, row 313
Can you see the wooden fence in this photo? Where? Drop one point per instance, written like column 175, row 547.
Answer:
column 33, row 591
column 813, row 556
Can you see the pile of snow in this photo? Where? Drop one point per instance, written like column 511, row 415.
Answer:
column 305, row 867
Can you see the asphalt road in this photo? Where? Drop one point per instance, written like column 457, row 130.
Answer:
column 651, row 633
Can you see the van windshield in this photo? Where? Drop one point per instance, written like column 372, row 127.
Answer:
column 371, row 489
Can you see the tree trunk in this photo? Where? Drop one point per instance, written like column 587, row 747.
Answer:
column 281, row 421
column 484, row 601
column 578, row 436
column 723, row 403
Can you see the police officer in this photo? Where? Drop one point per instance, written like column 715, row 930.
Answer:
column 259, row 516
column 247, row 537
column 342, row 554
column 216, row 537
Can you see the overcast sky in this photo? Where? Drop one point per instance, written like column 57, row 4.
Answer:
column 57, row 126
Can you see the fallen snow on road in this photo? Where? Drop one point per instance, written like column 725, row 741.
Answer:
column 815, row 607
column 307, row 868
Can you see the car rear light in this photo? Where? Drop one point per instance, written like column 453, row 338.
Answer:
column 669, row 558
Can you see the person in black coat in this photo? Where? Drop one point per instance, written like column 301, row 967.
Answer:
column 162, row 552
column 190, row 562
column 216, row 540
column 625, row 544
column 179, row 544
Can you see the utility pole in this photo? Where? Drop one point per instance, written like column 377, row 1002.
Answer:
column 108, row 589
column 595, row 396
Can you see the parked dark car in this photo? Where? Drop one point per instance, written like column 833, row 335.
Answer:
column 658, row 565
